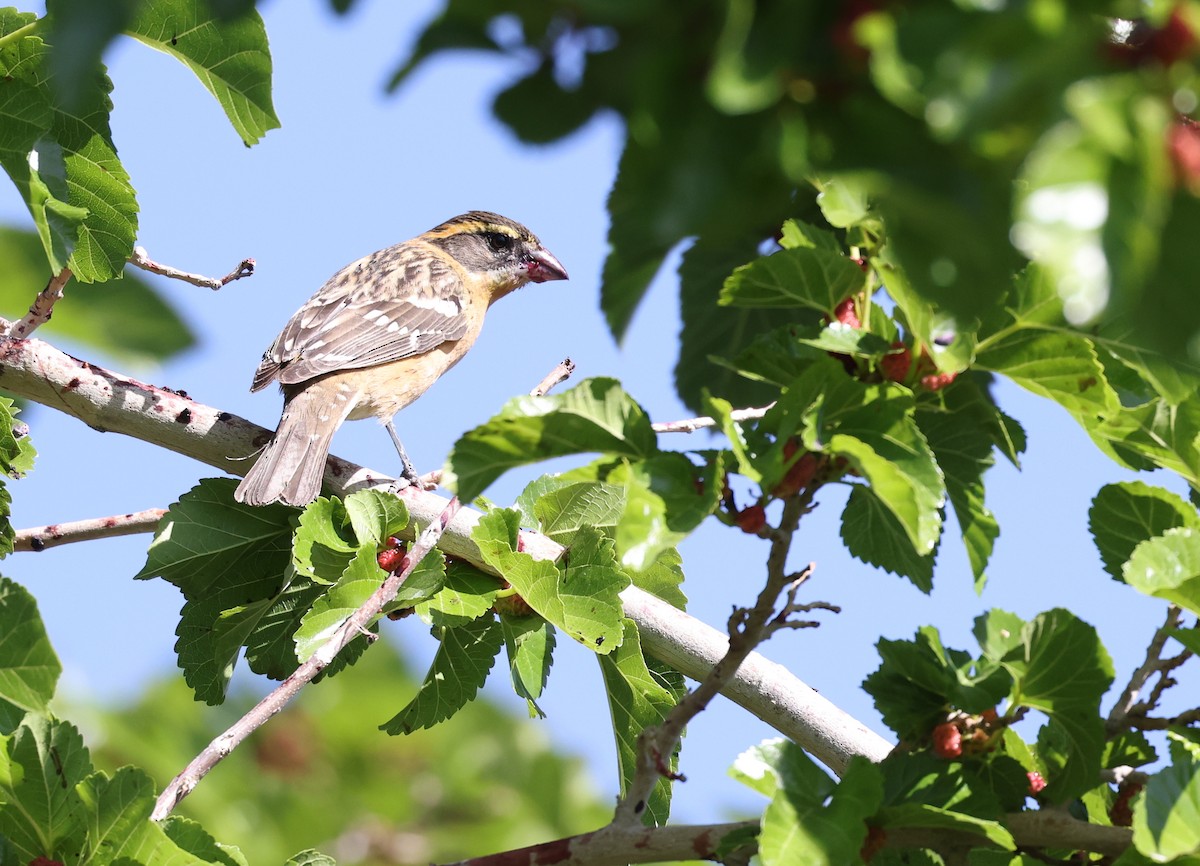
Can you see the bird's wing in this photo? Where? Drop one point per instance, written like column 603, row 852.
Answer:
column 393, row 304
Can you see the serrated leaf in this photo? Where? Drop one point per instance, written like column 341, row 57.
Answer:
column 595, row 415
column 310, row 857
column 530, row 644
column 1125, row 514
column 874, row 535
column 376, row 515
column 179, row 841
column 637, row 699
column 1166, row 817
column 1168, row 567
column 818, row 279
column 459, row 668
column 40, row 765
column 467, row 594
column 799, row 826
column 579, row 594
column 29, row 669
column 1061, row 668
column 998, row 633
column 662, row 506
column 230, row 57
column 560, row 512
column 115, row 812
column 324, row 542
column 1128, row 749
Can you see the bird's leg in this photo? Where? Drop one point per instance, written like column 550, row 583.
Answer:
column 407, row 472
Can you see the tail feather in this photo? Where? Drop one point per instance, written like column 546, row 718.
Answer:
column 292, row 465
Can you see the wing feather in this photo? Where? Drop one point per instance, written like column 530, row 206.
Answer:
column 393, row 304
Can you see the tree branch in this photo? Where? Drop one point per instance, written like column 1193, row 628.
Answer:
column 1153, row 664
column 691, row 425
column 141, row 259
column 111, row 401
column 39, row 538
column 42, row 308
column 560, row 373
column 355, row 625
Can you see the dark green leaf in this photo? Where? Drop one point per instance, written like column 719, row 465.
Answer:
column 461, row 665
column 29, row 669
column 819, row 279
column 530, row 644
column 1125, row 514
column 874, row 535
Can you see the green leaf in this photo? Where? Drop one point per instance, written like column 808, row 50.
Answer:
column 65, row 165
column 1166, row 817
column 467, row 594
column 530, row 644
column 637, row 698
column 29, row 669
column 567, row 507
column 376, row 516
column 40, row 765
column 324, row 542
column 798, row 826
column 230, row 57
column 539, row 110
column 874, row 535
column 1128, row 749
column 872, row 426
column 1061, row 668
column 819, row 279
column 712, row 332
column 595, row 415
column 231, row 562
column 1124, row 515
column 579, row 594
column 459, row 668
column 125, row 318
column 310, row 857
column 1167, row 567
column 927, row 817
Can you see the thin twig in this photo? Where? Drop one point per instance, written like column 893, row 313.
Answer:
column 1158, row 723
column 691, row 425
column 38, row 538
column 141, row 259
column 355, row 625
column 42, row 307
column 747, row 629
column 1152, row 664
column 560, row 373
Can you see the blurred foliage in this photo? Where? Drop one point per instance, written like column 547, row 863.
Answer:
column 321, row 775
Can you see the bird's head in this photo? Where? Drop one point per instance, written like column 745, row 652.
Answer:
column 503, row 249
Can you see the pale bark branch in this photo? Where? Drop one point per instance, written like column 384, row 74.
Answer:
column 106, row 400
column 38, row 538
column 559, row 374
column 141, row 259
column 691, row 425
column 1154, row 663
column 41, row 309
column 356, row 624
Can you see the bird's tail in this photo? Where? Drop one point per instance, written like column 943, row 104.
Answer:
column 290, row 468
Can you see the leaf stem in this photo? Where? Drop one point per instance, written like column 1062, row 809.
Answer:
column 19, row 33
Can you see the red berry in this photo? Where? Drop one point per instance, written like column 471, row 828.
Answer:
column 1183, row 144
column 895, row 366
column 390, row 559
column 937, row 381
column 847, row 313
column 1036, row 783
column 799, row 476
column 947, row 740
column 989, row 715
column 752, row 519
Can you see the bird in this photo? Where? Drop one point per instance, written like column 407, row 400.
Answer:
column 377, row 334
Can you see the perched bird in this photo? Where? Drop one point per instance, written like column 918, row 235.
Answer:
column 378, row 334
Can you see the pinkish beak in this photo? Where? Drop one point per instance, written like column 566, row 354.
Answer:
column 542, row 267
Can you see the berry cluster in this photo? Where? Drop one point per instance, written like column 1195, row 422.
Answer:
column 899, row 364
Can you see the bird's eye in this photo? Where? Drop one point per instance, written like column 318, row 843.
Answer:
column 497, row 242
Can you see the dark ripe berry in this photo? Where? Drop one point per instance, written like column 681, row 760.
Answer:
column 896, row 365
column 937, row 381
column 1036, row 783
column 1121, row 811
column 847, row 313
column 947, row 740
column 1172, row 42
column 752, row 519
column 989, row 715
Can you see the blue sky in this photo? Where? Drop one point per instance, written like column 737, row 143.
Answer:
column 353, row 170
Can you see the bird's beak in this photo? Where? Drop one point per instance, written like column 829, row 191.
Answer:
column 542, row 266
